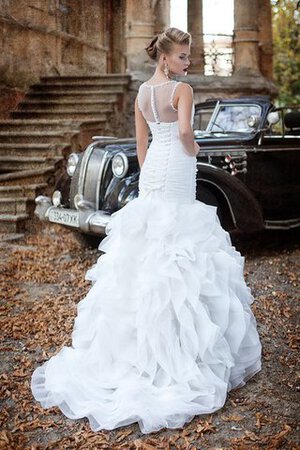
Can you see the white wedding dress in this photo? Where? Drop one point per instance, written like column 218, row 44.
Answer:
column 166, row 329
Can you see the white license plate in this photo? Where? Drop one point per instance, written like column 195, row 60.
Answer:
column 64, row 217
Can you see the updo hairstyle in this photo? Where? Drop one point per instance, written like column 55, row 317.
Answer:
column 163, row 42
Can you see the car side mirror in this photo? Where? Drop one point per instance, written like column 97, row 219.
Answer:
column 273, row 118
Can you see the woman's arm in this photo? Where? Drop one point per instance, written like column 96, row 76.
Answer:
column 186, row 133
column 142, row 134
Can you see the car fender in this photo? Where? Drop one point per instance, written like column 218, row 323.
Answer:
column 242, row 207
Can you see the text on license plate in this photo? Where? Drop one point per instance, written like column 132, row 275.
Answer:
column 64, row 217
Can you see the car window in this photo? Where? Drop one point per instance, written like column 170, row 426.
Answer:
column 202, row 118
column 240, row 118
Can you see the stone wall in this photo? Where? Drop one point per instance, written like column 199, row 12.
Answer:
column 84, row 37
column 54, row 37
column 44, row 37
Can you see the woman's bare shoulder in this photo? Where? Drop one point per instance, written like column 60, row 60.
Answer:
column 184, row 91
column 185, row 85
column 184, row 88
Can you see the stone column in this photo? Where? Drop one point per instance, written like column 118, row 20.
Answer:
column 246, row 51
column 139, row 29
column 265, row 38
column 161, row 15
column 195, row 27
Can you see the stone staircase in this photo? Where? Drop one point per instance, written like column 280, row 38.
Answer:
column 58, row 115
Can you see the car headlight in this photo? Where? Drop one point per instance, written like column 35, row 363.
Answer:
column 120, row 165
column 72, row 163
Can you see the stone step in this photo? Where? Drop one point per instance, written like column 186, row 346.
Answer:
column 31, row 176
column 102, row 106
column 112, row 77
column 80, row 95
column 34, row 149
column 63, row 114
column 51, row 137
column 58, row 114
column 13, row 223
column 16, row 163
column 103, row 85
column 42, row 124
column 20, row 191
column 91, row 122
column 16, row 205
column 10, row 237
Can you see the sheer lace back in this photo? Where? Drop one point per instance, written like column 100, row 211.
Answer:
column 156, row 101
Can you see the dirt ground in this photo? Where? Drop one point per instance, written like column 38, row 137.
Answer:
column 41, row 282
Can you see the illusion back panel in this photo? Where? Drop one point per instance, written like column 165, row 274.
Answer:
column 156, row 101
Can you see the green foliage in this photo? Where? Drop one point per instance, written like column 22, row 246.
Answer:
column 286, row 40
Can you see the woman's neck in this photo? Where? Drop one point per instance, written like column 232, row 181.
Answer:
column 160, row 76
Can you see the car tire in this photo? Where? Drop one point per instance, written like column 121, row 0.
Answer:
column 205, row 195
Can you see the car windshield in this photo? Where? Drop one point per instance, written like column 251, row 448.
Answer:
column 235, row 119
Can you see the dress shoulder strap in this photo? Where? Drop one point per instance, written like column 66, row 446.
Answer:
column 138, row 97
column 173, row 93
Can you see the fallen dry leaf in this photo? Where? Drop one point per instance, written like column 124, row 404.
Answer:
column 41, row 283
column 232, row 418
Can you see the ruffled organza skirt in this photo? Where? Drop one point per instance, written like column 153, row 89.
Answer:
column 166, row 329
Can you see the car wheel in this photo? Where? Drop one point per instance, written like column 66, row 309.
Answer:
column 205, row 195
column 210, row 195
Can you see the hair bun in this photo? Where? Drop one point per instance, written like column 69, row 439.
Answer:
column 151, row 49
column 164, row 41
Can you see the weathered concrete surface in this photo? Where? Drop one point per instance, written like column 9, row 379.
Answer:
column 42, row 280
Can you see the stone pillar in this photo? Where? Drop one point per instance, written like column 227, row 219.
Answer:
column 246, row 51
column 161, row 15
column 139, row 29
column 265, row 38
column 195, row 27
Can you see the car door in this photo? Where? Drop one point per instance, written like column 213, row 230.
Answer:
column 278, row 165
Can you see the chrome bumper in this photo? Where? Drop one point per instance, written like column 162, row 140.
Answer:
column 87, row 221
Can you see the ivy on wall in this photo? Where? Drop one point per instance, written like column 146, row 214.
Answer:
column 286, row 47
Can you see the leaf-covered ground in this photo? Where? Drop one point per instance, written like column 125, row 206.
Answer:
column 41, row 282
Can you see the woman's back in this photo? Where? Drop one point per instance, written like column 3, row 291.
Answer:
column 156, row 102
column 167, row 170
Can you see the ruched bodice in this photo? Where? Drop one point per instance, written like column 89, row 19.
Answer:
column 167, row 169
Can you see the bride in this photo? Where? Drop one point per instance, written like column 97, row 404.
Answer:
column 166, row 330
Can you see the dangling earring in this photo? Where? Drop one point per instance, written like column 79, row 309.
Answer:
column 166, row 71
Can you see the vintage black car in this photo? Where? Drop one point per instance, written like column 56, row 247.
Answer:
column 248, row 166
